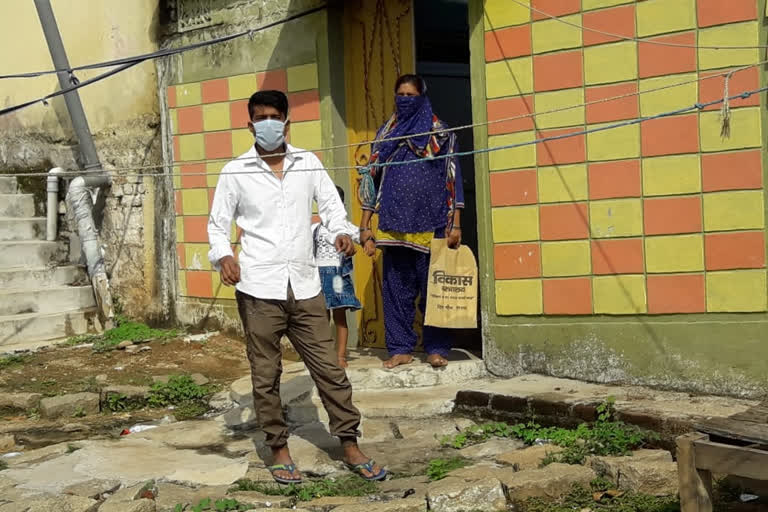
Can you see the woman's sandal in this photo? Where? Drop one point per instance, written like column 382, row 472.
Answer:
column 368, row 466
column 290, row 468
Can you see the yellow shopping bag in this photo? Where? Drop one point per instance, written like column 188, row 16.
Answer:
column 452, row 289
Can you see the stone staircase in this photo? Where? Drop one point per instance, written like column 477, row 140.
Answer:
column 40, row 301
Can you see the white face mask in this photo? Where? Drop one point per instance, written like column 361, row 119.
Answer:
column 269, row 133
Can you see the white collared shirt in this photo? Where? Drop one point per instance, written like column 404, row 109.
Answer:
column 275, row 217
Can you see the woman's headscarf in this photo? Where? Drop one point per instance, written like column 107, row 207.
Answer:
column 413, row 115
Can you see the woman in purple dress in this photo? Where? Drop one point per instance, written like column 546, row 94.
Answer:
column 418, row 199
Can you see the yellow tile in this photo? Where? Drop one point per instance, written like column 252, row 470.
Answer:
column 519, row 297
column 174, row 117
column 563, row 183
column 616, row 218
column 674, row 253
column 242, row 140
column 549, row 35
column 242, row 86
column 746, row 130
column 502, row 13
column 179, row 229
column 614, row 143
column 197, row 256
column 565, row 258
column 188, row 94
column 509, row 77
column 307, row 135
column 176, row 177
column 302, row 78
column 736, row 291
column 608, row 63
column 728, row 211
column 194, row 201
column 515, row 224
column 546, row 101
column 514, row 158
column 181, row 281
column 220, row 290
column 216, row 117
column 663, row 16
column 619, row 295
column 588, row 5
column 732, row 34
column 668, row 175
column 191, row 147
column 652, row 103
column 212, row 171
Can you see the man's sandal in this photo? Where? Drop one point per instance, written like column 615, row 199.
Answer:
column 368, row 466
column 290, row 468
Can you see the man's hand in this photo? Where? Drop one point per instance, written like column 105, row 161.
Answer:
column 453, row 237
column 230, row 271
column 344, row 244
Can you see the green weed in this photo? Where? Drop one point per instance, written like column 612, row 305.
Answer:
column 220, row 505
column 439, row 468
column 347, row 486
column 72, row 448
column 13, row 360
column 599, row 498
column 116, row 402
column 125, row 330
column 180, row 391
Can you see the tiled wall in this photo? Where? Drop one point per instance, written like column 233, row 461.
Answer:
column 209, row 124
column 657, row 218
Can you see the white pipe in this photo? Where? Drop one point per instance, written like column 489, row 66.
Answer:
column 52, row 213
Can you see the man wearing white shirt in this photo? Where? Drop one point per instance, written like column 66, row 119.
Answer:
column 269, row 192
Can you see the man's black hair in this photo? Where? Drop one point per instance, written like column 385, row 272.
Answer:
column 341, row 192
column 275, row 99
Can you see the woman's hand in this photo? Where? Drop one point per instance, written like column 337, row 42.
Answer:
column 369, row 247
column 453, row 237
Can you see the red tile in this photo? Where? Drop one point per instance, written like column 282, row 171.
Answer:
column 670, row 135
column 304, row 106
column 508, row 43
column 558, row 71
column 171, row 94
column 238, row 114
column 565, row 221
column 612, row 110
column 505, row 108
column 276, row 79
column 178, row 202
column 618, row 20
column 554, row 8
column 211, row 193
column 620, row 256
column 199, row 284
column 724, row 251
column 568, row 150
column 181, row 256
column 513, row 188
column 214, row 91
column 739, row 170
column 193, row 176
column 567, row 296
column 218, row 145
column 176, row 148
column 676, row 294
column 517, row 261
column 196, row 229
column 658, row 60
column 190, row 119
column 720, row 12
column 620, row 178
column 672, row 215
column 714, row 88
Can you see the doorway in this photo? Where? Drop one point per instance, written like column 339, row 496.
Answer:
column 441, row 40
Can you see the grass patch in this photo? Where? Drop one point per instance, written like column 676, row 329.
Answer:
column 3, row 465
column 188, row 398
column 439, row 468
column 220, row 505
column 607, row 436
column 124, row 330
column 353, row 486
column 12, row 361
column 71, row 448
column 602, row 498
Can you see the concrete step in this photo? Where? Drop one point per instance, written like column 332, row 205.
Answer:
column 33, row 253
column 32, row 228
column 17, row 205
column 8, row 185
column 46, row 300
column 41, row 277
column 24, row 332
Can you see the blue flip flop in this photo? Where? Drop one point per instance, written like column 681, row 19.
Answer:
column 291, row 468
column 368, row 466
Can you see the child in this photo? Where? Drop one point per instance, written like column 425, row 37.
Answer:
column 336, row 278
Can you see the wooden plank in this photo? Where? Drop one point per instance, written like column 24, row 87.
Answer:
column 731, row 460
column 752, row 433
column 695, row 485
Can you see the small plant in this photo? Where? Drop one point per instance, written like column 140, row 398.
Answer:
column 348, row 486
column 116, row 402
column 128, row 330
column 82, row 339
column 179, row 389
column 79, row 413
column 72, row 448
column 604, row 498
column 220, row 505
column 13, row 360
column 439, row 468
